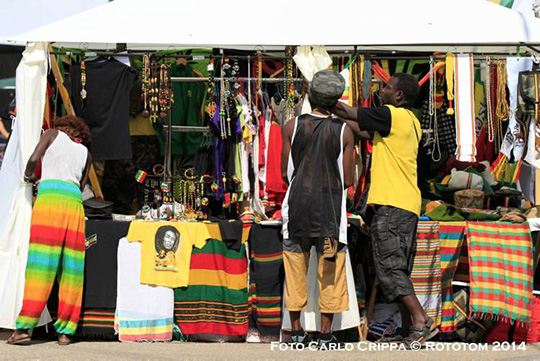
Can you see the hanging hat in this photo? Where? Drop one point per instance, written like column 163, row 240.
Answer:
column 326, row 87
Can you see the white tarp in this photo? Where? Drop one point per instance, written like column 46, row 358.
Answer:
column 16, row 196
column 19, row 16
column 414, row 25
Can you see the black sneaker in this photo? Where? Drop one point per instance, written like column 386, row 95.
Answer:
column 332, row 344
column 300, row 337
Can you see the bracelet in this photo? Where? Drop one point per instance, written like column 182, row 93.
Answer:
column 26, row 178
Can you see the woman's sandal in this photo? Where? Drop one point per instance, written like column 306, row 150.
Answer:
column 23, row 340
column 421, row 334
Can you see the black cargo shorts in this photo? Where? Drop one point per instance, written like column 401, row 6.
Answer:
column 393, row 245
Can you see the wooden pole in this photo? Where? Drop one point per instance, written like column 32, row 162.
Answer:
column 70, row 111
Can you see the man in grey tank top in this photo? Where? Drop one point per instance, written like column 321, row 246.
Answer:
column 317, row 163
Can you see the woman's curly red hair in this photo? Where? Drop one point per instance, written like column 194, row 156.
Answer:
column 77, row 125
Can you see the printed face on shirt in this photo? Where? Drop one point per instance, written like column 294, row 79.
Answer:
column 168, row 240
column 167, row 243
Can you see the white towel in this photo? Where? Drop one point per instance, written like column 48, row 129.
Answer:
column 464, row 95
column 143, row 313
column 311, row 319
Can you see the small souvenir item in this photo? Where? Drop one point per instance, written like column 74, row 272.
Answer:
column 165, row 187
column 83, row 80
column 140, row 176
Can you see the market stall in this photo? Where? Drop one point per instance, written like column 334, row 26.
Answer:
column 202, row 143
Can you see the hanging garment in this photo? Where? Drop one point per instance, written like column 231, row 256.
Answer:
column 56, row 239
column 266, row 279
column 309, row 61
column 214, row 306
column 16, row 205
column 101, row 263
column 513, row 144
column 275, row 186
column 143, row 313
column 97, row 324
column 500, row 260
column 426, row 269
column 106, row 107
column 186, row 111
column 446, row 125
column 451, row 235
column 464, row 92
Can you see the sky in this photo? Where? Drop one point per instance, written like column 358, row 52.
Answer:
column 19, row 16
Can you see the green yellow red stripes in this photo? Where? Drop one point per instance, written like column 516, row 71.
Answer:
column 426, row 271
column 500, row 260
column 97, row 323
column 57, row 233
column 266, row 280
column 451, row 235
column 215, row 301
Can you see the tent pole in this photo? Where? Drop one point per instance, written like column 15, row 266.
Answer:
column 69, row 109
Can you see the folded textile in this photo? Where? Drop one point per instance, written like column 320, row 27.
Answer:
column 426, row 270
column 143, row 312
column 500, row 260
column 214, row 306
column 451, row 235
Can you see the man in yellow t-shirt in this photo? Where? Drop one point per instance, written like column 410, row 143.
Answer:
column 394, row 195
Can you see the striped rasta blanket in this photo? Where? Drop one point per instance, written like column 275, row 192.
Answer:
column 451, row 235
column 500, row 260
column 265, row 279
column 214, row 305
column 426, row 271
column 97, row 324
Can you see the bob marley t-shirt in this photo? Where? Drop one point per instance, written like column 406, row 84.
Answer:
column 166, row 249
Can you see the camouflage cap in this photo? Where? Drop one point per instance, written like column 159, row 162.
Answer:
column 326, row 87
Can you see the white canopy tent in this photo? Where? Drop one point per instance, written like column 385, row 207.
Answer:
column 383, row 25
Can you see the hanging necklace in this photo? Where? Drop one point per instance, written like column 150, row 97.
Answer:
column 154, row 92
column 433, row 114
column 503, row 111
column 145, row 84
column 489, row 114
column 83, row 80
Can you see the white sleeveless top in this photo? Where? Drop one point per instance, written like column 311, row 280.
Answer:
column 64, row 160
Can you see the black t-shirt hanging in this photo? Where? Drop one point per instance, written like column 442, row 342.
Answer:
column 106, row 107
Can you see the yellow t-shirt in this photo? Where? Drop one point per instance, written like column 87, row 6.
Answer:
column 166, row 249
column 394, row 168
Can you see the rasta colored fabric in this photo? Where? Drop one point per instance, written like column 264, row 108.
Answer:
column 57, row 233
column 500, row 259
column 143, row 313
column 266, row 279
column 97, row 324
column 426, row 270
column 187, row 111
column 214, row 306
column 451, row 235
